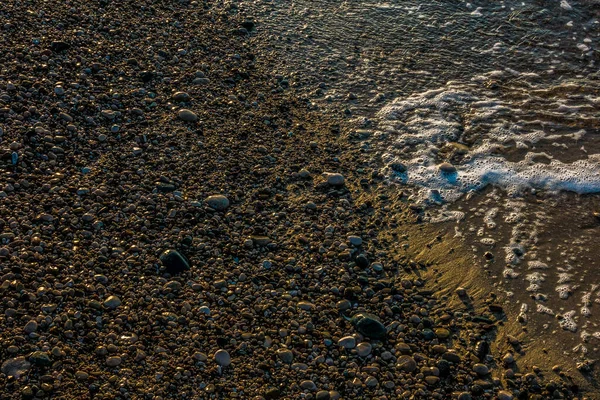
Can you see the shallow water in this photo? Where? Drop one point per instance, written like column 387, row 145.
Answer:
column 508, row 93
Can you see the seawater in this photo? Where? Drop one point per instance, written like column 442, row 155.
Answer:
column 487, row 114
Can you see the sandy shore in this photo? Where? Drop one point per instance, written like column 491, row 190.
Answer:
column 131, row 129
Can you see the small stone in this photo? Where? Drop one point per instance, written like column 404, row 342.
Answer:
column 285, row 355
column 112, row 302
column 222, row 358
column 31, row 326
column 335, row 179
column 308, row 385
column 187, row 115
column 81, row 375
column 322, row 395
column 347, row 342
column 481, row 369
column 504, row 395
column 364, row 349
column 113, row 361
column 508, row 359
column 369, row 325
column 355, row 240
column 15, row 367
column 406, row 363
column 181, row 97
column 362, row 261
column 432, row 380
column 40, row 358
column 447, row 168
column 305, row 305
column 442, row 333
column 174, row 262
column 217, row 202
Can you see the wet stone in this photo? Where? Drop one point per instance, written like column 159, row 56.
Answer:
column 112, row 302
column 40, row 358
column 174, row 262
column 187, row 115
column 222, row 358
column 15, row 367
column 406, row 363
column 217, row 202
column 369, row 325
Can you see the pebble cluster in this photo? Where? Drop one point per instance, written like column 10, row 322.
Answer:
column 175, row 224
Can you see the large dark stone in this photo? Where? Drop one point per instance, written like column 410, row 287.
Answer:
column 174, row 262
column 369, row 325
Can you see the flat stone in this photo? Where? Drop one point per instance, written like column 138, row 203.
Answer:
column 369, row 325
column 31, row 326
column 187, row 115
column 364, row 349
column 112, row 302
column 406, row 363
column 181, row 97
column 481, row 369
column 347, row 342
column 355, row 240
column 308, row 385
column 335, row 179
column 15, row 367
column 113, row 361
column 285, row 355
column 40, row 358
column 217, row 202
column 222, row 358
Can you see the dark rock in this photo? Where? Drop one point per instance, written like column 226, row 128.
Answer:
column 362, row 261
column 369, row 325
column 146, row 76
column 272, row 393
column 59, row 46
column 248, row 25
column 174, row 262
column 40, row 358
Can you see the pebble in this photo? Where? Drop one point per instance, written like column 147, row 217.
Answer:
column 308, row 385
column 222, row 358
column 174, row 262
column 40, row 358
column 218, row 202
column 31, row 326
column 369, row 325
column 364, row 349
column 285, row 355
column 355, row 240
column 15, row 367
column 322, row 395
column 447, row 168
column 112, row 302
column 181, row 97
column 347, row 342
column 406, row 363
column 481, row 369
column 113, row 361
column 335, row 179
column 187, row 115
column 504, row 395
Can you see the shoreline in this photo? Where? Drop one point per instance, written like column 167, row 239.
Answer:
column 109, row 176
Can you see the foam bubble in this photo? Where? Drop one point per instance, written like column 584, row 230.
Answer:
column 567, row 322
column 436, row 126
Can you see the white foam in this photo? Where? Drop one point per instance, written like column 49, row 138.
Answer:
column 426, row 123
